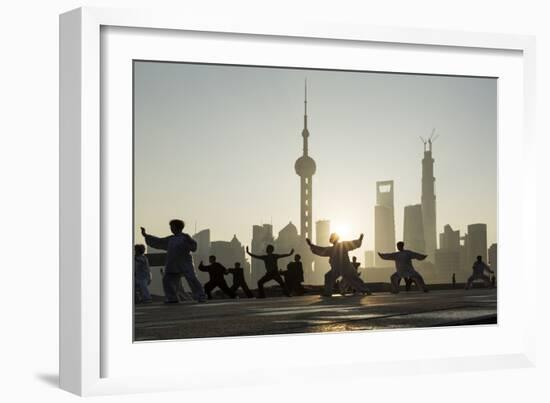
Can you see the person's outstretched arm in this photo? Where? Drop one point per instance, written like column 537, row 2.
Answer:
column 287, row 254
column 155, row 242
column 319, row 250
column 202, row 267
column 387, row 256
column 356, row 243
column 191, row 243
column 253, row 255
column 418, row 256
column 489, row 269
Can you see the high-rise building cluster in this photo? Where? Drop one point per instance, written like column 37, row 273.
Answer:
column 455, row 253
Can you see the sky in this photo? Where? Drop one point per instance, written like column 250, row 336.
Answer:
column 215, row 145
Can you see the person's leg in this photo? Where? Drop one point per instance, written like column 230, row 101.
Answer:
column 469, row 282
column 146, row 296
column 261, row 282
column 417, row 278
column 246, row 290
column 352, row 279
column 486, row 280
column 408, row 283
column 330, row 278
column 169, row 284
column 194, row 283
column 277, row 277
column 225, row 288
column 208, row 287
column 395, row 279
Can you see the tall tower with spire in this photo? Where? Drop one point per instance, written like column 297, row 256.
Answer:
column 428, row 199
column 305, row 168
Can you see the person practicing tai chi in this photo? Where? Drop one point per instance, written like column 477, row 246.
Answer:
column 238, row 280
column 270, row 261
column 340, row 265
column 404, row 268
column 479, row 269
column 217, row 272
column 294, row 276
column 179, row 262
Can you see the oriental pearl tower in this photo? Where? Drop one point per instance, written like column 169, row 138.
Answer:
column 305, row 169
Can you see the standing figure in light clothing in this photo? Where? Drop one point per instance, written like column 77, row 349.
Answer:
column 403, row 266
column 340, row 265
column 179, row 261
column 142, row 274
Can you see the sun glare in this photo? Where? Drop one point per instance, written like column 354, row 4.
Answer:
column 343, row 230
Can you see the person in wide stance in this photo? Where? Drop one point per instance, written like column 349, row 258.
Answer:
column 340, row 265
column 403, row 267
column 217, row 272
column 179, row 262
column 270, row 260
column 479, row 268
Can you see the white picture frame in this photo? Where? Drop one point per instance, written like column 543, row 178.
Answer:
column 92, row 358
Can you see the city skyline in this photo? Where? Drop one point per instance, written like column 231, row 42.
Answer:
column 348, row 204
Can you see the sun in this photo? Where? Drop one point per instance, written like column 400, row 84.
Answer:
column 342, row 229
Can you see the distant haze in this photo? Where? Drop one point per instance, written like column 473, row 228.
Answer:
column 216, row 146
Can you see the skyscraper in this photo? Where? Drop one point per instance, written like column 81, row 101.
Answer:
column 413, row 229
column 305, row 168
column 428, row 201
column 476, row 243
column 384, row 222
column 448, row 258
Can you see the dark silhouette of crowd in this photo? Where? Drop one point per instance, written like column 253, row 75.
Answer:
column 343, row 275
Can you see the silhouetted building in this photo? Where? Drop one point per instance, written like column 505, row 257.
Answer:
column 227, row 253
column 428, row 201
column 322, row 234
column 448, row 258
column 262, row 235
column 449, row 239
column 369, row 259
column 384, row 222
column 475, row 243
column 305, row 168
column 493, row 257
column 413, row 229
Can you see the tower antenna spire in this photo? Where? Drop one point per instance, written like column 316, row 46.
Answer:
column 305, row 103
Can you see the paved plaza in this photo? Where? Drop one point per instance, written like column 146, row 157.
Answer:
column 312, row 313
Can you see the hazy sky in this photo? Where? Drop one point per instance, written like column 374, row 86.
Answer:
column 216, row 146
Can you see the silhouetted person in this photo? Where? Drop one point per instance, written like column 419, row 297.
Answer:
column 238, row 280
column 403, row 266
column 294, row 276
column 340, row 264
column 408, row 283
column 179, row 262
column 454, row 280
column 217, row 272
column 142, row 274
column 344, row 286
column 479, row 268
column 270, row 261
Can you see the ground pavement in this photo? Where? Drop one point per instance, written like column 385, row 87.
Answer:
column 312, row 313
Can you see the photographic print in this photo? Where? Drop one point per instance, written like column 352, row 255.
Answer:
column 275, row 200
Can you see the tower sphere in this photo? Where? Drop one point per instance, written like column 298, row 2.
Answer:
column 305, row 166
